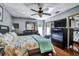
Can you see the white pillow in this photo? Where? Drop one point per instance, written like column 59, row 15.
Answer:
column 13, row 34
column 1, row 34
column 8, row 38
column 1, row 37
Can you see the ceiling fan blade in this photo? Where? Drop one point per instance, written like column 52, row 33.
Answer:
column 34, row 10
column 47, row 14
column 33, row 14
column 40, row 15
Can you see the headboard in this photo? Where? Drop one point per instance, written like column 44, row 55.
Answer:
column 4, row 29
column 30, row 32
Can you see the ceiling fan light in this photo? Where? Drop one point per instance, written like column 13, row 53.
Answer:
column 50, row 10
column 40, row 14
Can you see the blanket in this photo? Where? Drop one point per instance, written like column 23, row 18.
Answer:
column 44, row 44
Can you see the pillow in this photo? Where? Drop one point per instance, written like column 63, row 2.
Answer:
column 1, row 34
column 13, row 34
column 8, row 38
column 1, row 38
column 15, row 37
column 9, row 35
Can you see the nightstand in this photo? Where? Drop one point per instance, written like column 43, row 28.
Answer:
column 1, row 51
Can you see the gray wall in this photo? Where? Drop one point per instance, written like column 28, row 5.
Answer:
column 64, row 14
column 22, row 23
column 7, row 20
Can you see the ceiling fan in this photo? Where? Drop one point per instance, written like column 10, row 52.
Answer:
column 40, row 12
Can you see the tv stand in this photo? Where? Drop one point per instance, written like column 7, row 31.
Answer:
column 61, row 37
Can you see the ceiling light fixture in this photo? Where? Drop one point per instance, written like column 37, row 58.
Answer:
column 50, row 10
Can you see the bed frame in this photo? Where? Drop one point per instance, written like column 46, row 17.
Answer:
column 30, row 32
column 4, row 29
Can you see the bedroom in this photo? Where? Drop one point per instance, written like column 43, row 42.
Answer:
column 36, row 29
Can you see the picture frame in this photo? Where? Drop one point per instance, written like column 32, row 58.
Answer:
column 77, row 24
column 16, row 25
column 1, row 13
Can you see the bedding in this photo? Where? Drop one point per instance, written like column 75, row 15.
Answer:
column 29, row 42
column 1, row 38
column 10, row 43
column 44, row 44
column 8, row 38
column 20, row 45
column 15, row 36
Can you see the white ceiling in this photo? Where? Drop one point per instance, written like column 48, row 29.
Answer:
column 23, row 9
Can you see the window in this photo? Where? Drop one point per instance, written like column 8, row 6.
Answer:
column 48, row 28
column 48, row 31
column 30, row 26
column 40, row 30
column 40, row 27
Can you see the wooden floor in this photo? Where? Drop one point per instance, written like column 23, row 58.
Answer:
column 65, row 52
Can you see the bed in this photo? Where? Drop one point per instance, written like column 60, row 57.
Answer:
column 3, row 29
column 38, row 44
column 24, row 45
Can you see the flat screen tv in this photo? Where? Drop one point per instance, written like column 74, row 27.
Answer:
column 60, row 23
column 58, row 36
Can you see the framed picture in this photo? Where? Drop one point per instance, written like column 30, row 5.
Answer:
column 77, row 24
column 16, row 25
column 1, row 13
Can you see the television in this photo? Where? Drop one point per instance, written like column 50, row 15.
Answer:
column 58, row 36
column 60, row 23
